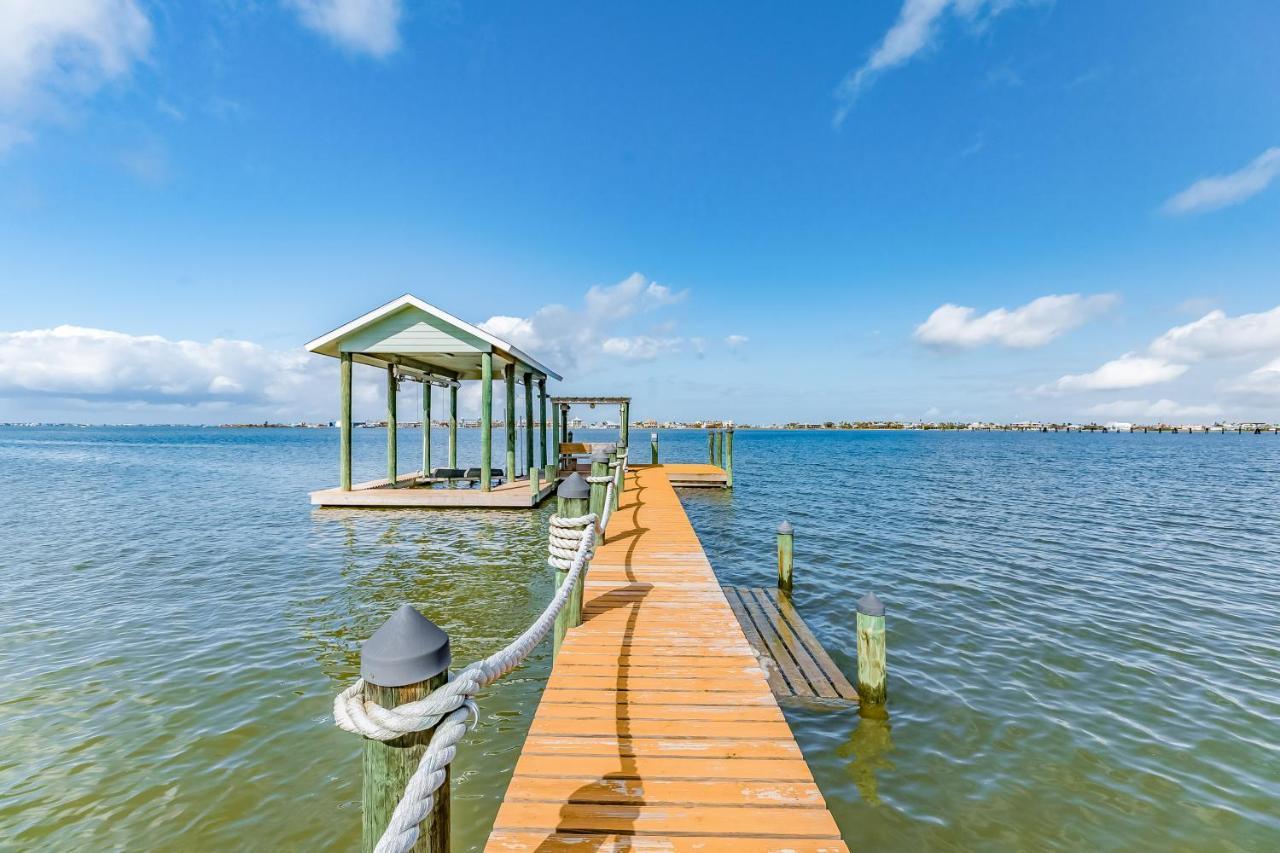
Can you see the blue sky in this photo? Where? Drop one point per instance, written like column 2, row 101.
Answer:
column 944, row 210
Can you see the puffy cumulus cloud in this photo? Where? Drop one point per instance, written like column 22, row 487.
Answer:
column 1158, row 409
column 1032, row 325
column 1264, row 381
column 915, row 30
column 1225, row 190
column 1217, row 335
column 363, row 26
column 79, row 363
column 566, row 337
column 1128, row 371
column 56, row 53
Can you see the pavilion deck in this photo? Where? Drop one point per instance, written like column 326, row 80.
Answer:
column 512, row 494
column 658, row 729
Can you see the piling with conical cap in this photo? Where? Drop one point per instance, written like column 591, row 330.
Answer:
column 785, row 555
column 872, row 668
column 404, row 660
column 572, row 499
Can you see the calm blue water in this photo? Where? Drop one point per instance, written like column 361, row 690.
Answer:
column 1082, row 632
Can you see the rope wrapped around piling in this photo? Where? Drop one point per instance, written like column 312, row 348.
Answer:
column 571, row 543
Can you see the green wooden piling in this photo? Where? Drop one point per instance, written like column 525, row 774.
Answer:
column 786, row 536
column 555, row 443
column 392, row 388
column 599, row 468
column 612, row 451
column 344, row 422
column 872, row 673
column 728, row 457
column 426, row 429
column 509, row 375
column 486, row 420
column 572, row 498
column 721, row 442
column 653, row 448
column 624, row 424
column 535, row 483
column 404, row 660
column 453, row 426
column 542, row 420
column 711, row 447
column 528, row 423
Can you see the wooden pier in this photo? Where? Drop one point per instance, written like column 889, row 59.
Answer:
column 658, row 729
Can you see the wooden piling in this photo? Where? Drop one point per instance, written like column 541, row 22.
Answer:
column 653, row 448
column 786, row 535
column 486, row 420
column 624, row 425
column 599, row 468
column 453, row 426
column 555, row 444
column 728, row 456
column 528, row 424
column 542, row 422
column 572, row 498
column 344, row 422
column 404, row 660
column 721, row 444
column 872, row 673
column 392, row 450
column 426, row 429
column 612, row 451
column 711, row 447
column 509, row 418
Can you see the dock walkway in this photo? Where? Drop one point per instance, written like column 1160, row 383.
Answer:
column 658, row 729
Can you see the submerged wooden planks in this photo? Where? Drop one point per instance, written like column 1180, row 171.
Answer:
column 658, row 729
column 795, row 662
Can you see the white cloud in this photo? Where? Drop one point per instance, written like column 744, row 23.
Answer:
column 56, row 53
column 1159, row 409
column 1264, row 381
column 736, row 340
column 1032, row 325
column 1226, row 190
column 565, row 337
column 1127, row 371
column 1216, row 335
column 363, row 26
column 914, row 31
column 97, row 364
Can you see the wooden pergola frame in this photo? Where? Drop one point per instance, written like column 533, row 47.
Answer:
column 560, row 424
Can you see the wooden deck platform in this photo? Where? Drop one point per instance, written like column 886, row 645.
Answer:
column 795, row 663
column 658, row 729
column 696, row 475
column 379, row 493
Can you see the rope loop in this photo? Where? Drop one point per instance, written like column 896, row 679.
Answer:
column 451, row 708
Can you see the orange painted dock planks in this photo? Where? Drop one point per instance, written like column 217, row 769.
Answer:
column 658, row 729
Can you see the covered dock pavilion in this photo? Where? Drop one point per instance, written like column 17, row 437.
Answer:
column 414, row 341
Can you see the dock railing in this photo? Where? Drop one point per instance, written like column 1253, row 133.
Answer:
column 410, row 710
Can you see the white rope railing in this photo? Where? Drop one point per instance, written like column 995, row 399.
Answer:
column 570, row 545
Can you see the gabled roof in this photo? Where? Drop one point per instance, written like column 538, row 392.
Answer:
column 416, row 361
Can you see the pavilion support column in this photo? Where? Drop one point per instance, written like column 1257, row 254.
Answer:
column 426, row 429
column 624, row 428
column 391, row 424
column 528, row 425
column 344, row 422
column 564, row 423
column 486, row 420
column 453, row 426
column 509, row 374
column 555, row 442
column 542, row 420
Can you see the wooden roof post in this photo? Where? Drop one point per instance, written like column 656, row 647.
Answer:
column 391, row 424
column 426, row 428
column 453, row 425
column 344, row 422
column 509, row 418
column 486, row 420
column 555, row 444
column 528, row 423
column 542, row 420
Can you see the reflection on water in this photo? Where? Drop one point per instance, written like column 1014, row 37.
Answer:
column 1081, row 633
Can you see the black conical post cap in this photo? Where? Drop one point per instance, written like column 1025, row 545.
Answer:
column 407, row 649
column 869, row 605
column 574, row 487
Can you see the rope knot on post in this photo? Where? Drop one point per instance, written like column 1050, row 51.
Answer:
column 564, row 540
